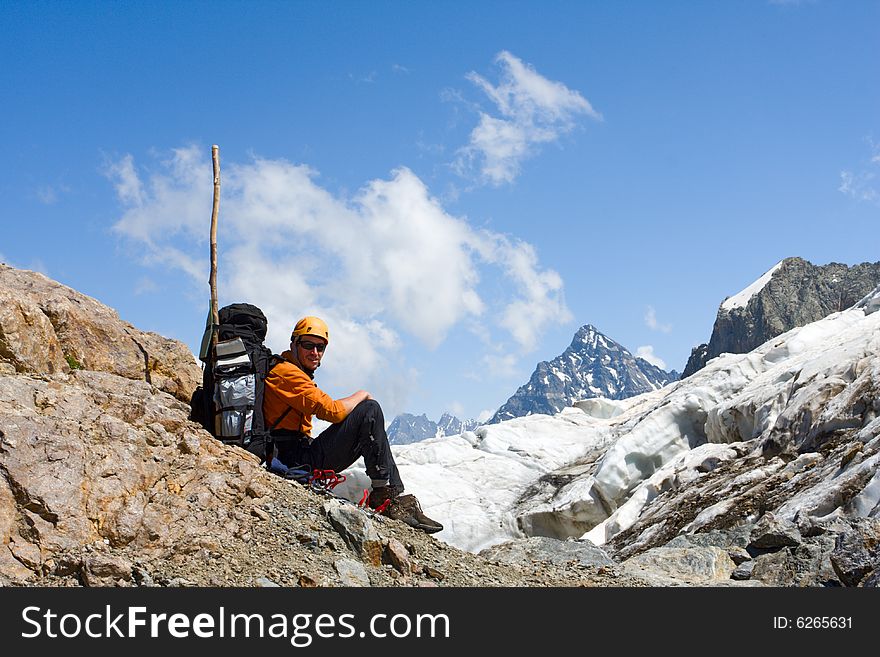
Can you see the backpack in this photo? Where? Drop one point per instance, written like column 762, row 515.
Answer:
column 229, row 403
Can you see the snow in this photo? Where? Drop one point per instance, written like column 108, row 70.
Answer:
column 470, row 483
column 742, row 299
column 561, row 376
column 600, row 407
column 485, row 486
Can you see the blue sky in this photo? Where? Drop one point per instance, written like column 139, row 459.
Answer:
column 456, row 187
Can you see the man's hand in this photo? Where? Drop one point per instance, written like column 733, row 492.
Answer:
column 354, row 399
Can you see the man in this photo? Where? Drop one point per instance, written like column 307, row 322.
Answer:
column 290, row 400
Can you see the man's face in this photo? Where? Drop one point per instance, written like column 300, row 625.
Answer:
column 309, row 350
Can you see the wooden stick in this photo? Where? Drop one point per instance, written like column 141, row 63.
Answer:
column 215, row 316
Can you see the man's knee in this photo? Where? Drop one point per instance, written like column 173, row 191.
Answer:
column 369, row 408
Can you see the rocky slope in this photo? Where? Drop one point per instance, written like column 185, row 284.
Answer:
column 104, row 481
column 592, row 366
column 794, row 294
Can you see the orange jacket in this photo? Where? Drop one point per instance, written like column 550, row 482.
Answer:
column 289, row 387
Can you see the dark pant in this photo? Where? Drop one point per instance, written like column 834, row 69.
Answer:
column 361, row 433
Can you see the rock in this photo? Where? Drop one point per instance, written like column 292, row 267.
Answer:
column 851, row 453
column 774, row 532
column 743, row 571
column 433, row 573
column 857, row 551
column 807, row 564
column 871, row 581
column 27, row 339
column 105, row 570
column 141, row 576
column 257, row 490
column 540, row 549
column 695, row 565
column 180, row 582
column 260, row 513
column 11, row 568
column 26, row 553
column 78, row 451
column 739, row 555
column 48, row 328
column 396, row 555
column 797, row 294
column 266, row 583
column 307, row 582
column 352, row 572
column 356, row 529
column 808, row 526
column 733, row 540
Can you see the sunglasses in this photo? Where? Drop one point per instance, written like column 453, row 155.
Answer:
column 308, row 346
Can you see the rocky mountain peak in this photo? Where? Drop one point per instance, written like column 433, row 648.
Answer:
column 407, row 428
column 793, row 293
column 593, row 365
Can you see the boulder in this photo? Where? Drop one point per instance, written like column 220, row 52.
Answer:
column 47, row 328
column 90, row 457
column 774, row 532
column 669, row 566
column 856, row 554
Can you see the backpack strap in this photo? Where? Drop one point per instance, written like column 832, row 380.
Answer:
column 271, row 436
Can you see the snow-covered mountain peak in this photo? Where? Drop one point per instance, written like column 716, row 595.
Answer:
column 741, row 299
column 593, row 365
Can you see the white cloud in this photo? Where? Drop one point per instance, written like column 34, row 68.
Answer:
column 366, row 78
column 456, row 408
column 385, row 263
column 127, row 182
column 501, row 366
column 533, row 110
column 646, row 352
column 653, row 324
column 145, row 285
column 864, row 185
column 860, row 186
column 49, row 194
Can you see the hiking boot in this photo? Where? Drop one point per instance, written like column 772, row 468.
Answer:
column 381, row 495
column 406, row 508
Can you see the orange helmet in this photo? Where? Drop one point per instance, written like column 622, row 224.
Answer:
column 310, row 326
